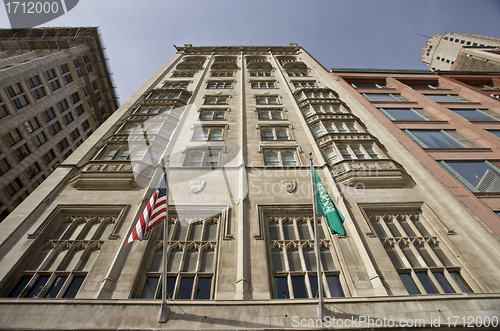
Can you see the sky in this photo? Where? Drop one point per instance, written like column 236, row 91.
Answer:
column 382, row 34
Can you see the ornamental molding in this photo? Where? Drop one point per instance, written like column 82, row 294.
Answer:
column 289, row 185
column 344, row 137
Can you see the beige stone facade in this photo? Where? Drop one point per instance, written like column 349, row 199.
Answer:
column 239, row 124
column 55, row 90
column 442, row 50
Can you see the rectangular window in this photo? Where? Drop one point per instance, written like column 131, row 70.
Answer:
column 32, row 125
column 114, row 152
column 33, row 81
column 477, row 176
column 222, row 74
column 260, row 73
column 203, row 158
column 3, row 110
column 74, row 134
column 68, row 118
column 75, row 98
column 280, row 158
column 408, row 114
column 304, row 84
column 54, row 85
column 446, row 98
column 275, row 115
column 48, row 157
column 21, row 152
column 263, row 85
column 216, row 115
column 85, row 125
column 440, row 139
column 67, row 79
column 79, row 110
column 62, row 145
column 183, row 74
column 63, row 68
column 54, row 128
column 39, row 139
column 219, row 85
column 379, row 97
column 280, row 133
column 14, row 89
column 39, row 93
column 13, row 137
column 176, row 85
column 216, row 100
column 33, row 170
column 62, row 106
column 477, row 114
column 13, row 187
column 4, row 166
column 49, row 115
column 20, row 102
column 50, row 74
column 267, row 100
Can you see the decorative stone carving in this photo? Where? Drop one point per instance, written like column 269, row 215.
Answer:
column 289, row 185
column 197, row 186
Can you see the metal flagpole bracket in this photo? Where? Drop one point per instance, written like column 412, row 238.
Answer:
column 164, row 313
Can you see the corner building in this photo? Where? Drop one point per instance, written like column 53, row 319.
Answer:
column 55, row 90
column 241, row 244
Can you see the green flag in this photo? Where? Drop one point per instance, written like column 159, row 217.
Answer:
column 327, row 208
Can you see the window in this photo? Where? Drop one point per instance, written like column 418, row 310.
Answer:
column 79, row 110
column 21, row 152
column 78, row 143
column 423, row 85
column 279, row 133
column 20, row 102
column 297, row 73
column 446, row 98
column 49, row 115
column 38, row 93
column 67, row 118
column 267, row 100
column 270, row 114
column 54, row 85
column 176, row 85
column 14, row 89
column 496, row 133
column 114, row 152
column 350, row 152
column 408, row 114
column 67, row 79
column 369, row 85
column 215, row 115
column 58, row 271
column 39, row 139
column 85, row 125
column 477, row 176
column 292, row 257
column 423, row 263
column 13, row 137
column 390, row 97
column 260, row 73
column 208, row 133
column 203, row 158
column 324, row 127
column 440, row 139
column 62, row 145
column 4, row 166
column 153, row 110
column 222, row 73
column 33, row 81
column 263, row 84
column 95, row 86
column 191, row 262
column 183, row 74
column 304, row 84
column 67, row 154
column 63, row 68
column 74, row 134
column 32, row 170
column 75, row 98
column 477, row 114
column 219, row 85
column 50, row 74
column 62, row 106
column 322, row 109
column 3, row 111
column 216, row 100
column 13, row 187
column 285, row 158
column 32, row 125
column 54, row 128
column 48, row 157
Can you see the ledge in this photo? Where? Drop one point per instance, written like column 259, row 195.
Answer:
column 371, row 173
column 105, row 175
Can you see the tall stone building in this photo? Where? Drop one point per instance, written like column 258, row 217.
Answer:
column 55, row 90
column 238, row 124
column 442, row 50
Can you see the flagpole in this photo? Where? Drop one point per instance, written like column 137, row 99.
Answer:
column 164, row 309
column 316, row 241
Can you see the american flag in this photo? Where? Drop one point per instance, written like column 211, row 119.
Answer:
column 154, row 212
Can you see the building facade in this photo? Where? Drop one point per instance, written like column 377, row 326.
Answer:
column 485, row 59
column 442, row 50
column 238, row 124
column 55, row 90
